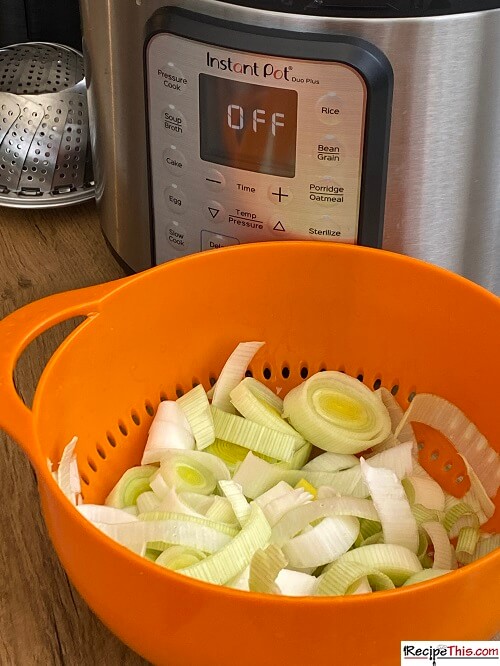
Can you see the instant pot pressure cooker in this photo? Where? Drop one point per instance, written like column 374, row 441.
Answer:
column 374, row 122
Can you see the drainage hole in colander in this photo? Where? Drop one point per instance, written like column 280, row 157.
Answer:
column 91, row 464
column 285, row 372
column 361, row 376
column 411, row 396
column 111, row 439
column 85, row 479
column 135, row 417
column 459, row 479
column 163, row 396
column 420, row 446
column 304, row 371
column 179, row 391
column 435, row 455
column 101, row 452
column 448, row 466
column 395, row 389
column 322, row 368
column 266, row 372
column 212, row 379
column 248, row 373
column 377, row 384
column 123, row 428
column 149, row 408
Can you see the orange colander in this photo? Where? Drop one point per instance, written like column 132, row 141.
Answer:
column 391, row 320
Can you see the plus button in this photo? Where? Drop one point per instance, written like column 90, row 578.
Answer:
column 280, row 194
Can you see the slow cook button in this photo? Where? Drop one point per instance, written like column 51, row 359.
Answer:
column 211, row 241
column 173, row 120
column 330, row 109
column 326, row 192
column 174, row 160
column 175, row 199
column 172, row 77
column 176, row 235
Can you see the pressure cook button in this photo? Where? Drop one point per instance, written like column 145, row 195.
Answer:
column 172, row 77
column 214, row 180
column 329, row 151
column 330, row 108
column 173, row 120
column 211, row 241
column 176, row 199
column 176, row 235
column 174, row 160
column 326, row 192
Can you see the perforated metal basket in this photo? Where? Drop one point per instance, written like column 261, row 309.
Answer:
column 44, row 136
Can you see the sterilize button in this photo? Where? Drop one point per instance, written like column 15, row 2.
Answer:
column 330, row 109
column 176, row 199
column 211, row 241
column 176, row 235
column 174, row 160
column 214, row 180
column 173, row 120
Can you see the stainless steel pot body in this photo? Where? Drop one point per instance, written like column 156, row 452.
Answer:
column 443, row 201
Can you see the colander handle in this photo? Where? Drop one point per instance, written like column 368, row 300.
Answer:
column 20, row 328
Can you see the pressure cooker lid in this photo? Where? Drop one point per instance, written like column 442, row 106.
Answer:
column 372, row 8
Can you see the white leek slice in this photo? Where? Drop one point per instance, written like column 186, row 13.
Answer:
column 148, row 501
column 68, row 477
column 257, row 403
column 280, row 506
column 297, row 519
column 331, row 462
column 134, row 482
column 169, row 430
column 443, row 557
column 172, row 531
column 132, row 510
column 397, row 562
column 98, row 513
column 362, row 587
column 396, row 415
column 232, row 373
column 255, row 476
column 343, row 577
column 468, row 538
column 234, row 494
column 378, row 537
column 241, row 581
column 199, row 503
column 323, row 543
column 273, row 493
column 346, row 482
column 425, row 492
column 478, row 491
column 179, row 557
column 388, row 495
column 264, row 569
column 337, row 413
column 398, row 459
column 300, row 457
column 184, row 518
column 237, row 554
column 222, row 511
column 196, row 408
column 453, row 518
column 256, row 437
column 426, row 574
column 295, row 583
column 192, row 471
column 173, row 502
column 486, row 545
column 442, row 415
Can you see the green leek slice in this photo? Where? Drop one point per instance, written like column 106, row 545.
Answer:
column 337, row 413
column 134, row 482
column 196, row 408
column 346, row 482
column 425, row 492
column 426, row 574
column 343, row 577
column 256, row 437
column 398, row 524
column 192, row 471
column 255, row 476
column 265, row 566
column 232, row 559
column 232, row 373
column 443, row 554
column 179, row 557
column 221, row 511
column 397, row 562
column 323, row 543
column 234, row 494
column 467, row 541
column 147, row 501
column 331, row 462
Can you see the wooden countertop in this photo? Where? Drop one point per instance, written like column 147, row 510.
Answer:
column 43, row 620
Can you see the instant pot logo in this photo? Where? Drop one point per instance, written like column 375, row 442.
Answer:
column 266, row 71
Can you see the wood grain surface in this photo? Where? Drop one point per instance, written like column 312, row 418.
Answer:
column 43, row 620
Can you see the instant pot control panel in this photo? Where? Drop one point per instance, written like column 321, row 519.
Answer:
column 259, row 135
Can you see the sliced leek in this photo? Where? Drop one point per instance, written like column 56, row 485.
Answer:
column 232, row 373
column 234, row 494
column 443, row 554
column 67, row 475
column 192, row 471
column 331, row 462
column 255, row 476
column 265, row 566
column 134, row 482
column 337, row 413
column 343, row 577
column 179, row 557
column 425, row 492
column 169, row 430
column 197, row 411
column 397, row 562
column 322, row 544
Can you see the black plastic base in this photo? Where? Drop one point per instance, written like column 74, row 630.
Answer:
column 371, row 8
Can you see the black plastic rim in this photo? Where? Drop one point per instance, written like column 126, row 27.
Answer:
column 371, row 8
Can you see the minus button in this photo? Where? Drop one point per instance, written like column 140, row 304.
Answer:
column 215, row 181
